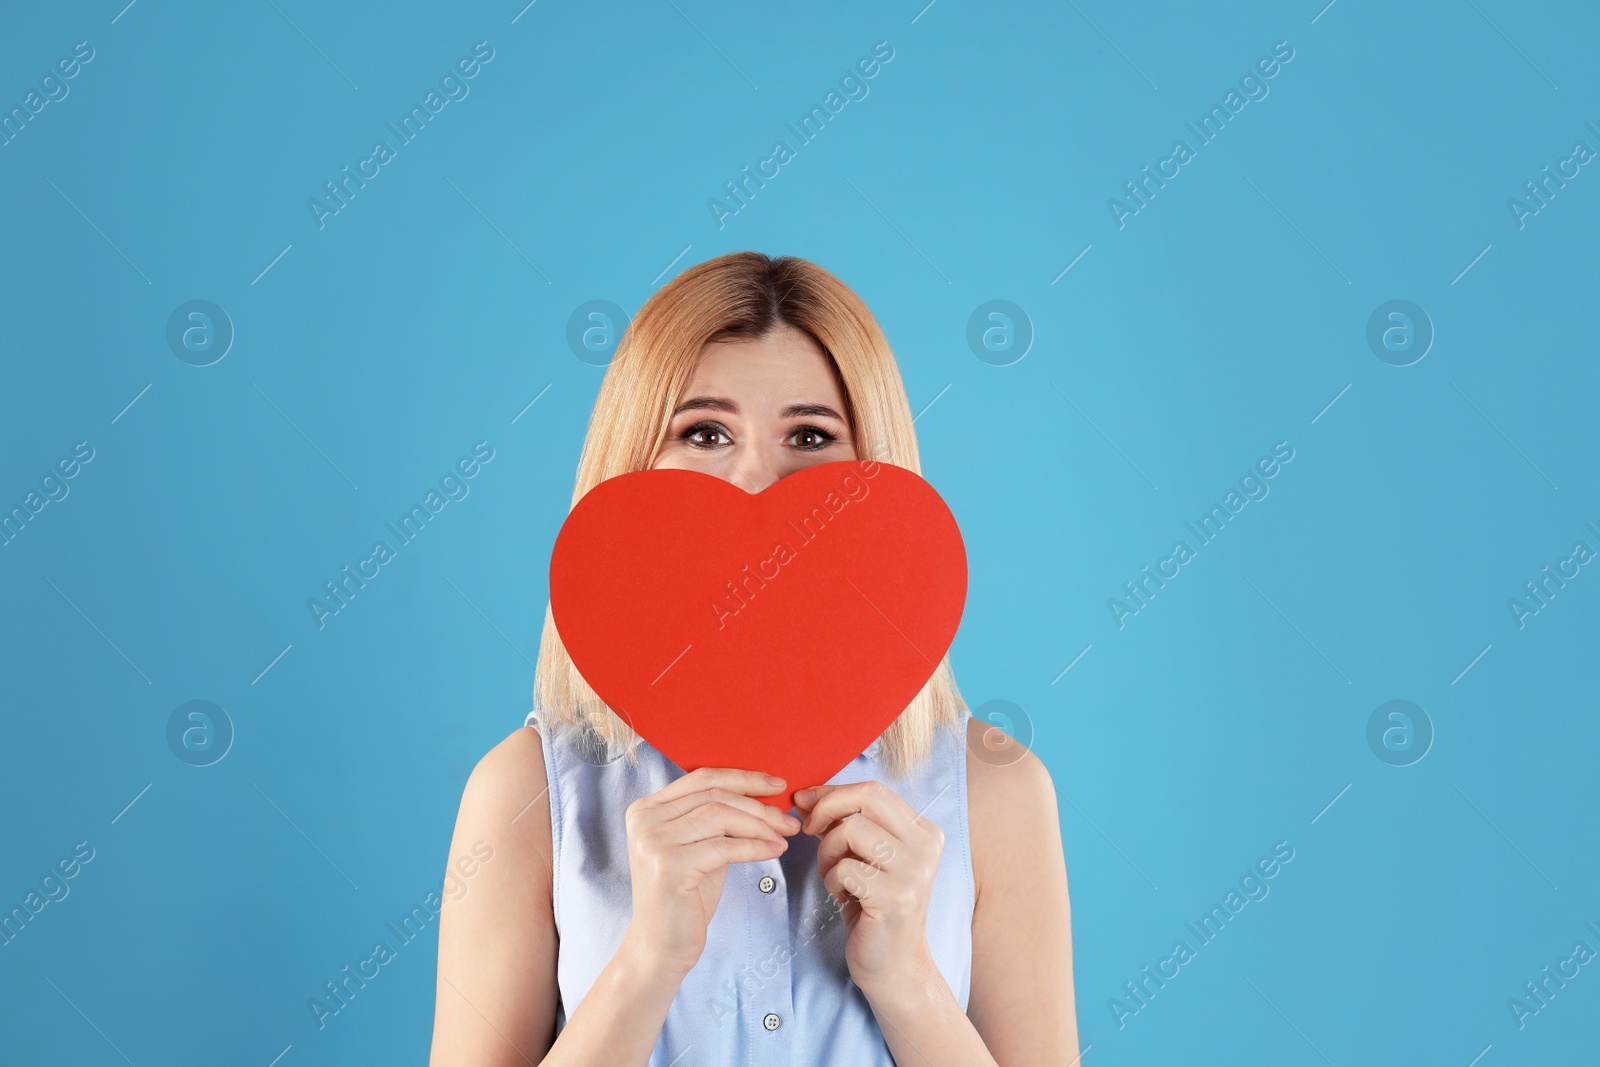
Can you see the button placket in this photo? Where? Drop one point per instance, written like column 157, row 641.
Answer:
column 775, row 998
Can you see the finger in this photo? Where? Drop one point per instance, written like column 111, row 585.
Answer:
column 750, row 783
column 717, row 820
column 849, row 880
column 859, row 836
column 806, row 799
column 886, row 807
column 716, row 852
column 780, row 821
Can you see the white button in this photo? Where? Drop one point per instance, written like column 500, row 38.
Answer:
column 771, row 1022
column 767, row 883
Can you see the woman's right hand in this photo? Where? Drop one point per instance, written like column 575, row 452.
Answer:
column 680, row 841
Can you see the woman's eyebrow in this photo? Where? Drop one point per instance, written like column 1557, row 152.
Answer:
column 818, row 410
column 711, row 403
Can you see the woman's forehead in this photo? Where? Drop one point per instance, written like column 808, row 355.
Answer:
column 774, row 371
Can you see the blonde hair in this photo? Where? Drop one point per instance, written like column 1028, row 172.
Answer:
column 741, row 295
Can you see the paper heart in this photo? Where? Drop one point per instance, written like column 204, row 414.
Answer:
column 780, row 631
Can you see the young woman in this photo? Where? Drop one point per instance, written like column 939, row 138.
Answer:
column 912, row 911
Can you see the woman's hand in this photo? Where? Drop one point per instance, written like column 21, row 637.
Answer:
column 878, row 858
column 681, row 839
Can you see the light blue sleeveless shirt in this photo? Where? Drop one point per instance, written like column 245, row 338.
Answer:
column 772, row 987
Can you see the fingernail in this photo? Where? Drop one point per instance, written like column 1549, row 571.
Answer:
column 774, row 781
column 803, row 796
column 791, row 821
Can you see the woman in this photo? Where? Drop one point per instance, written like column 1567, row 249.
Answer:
column 633, row 914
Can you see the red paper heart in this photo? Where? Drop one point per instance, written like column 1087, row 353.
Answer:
column 781, row 631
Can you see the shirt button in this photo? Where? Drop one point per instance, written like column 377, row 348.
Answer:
column 767, row 885
column 771, row 1022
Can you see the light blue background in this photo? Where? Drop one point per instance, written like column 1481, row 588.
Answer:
column 426, row 315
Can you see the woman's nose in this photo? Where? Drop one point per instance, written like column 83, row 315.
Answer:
column 755, row 471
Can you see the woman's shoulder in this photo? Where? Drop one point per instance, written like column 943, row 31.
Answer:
column 507, row 797
column 1011, row 801
column 999, row 763
column 498, row 941
column 508, row 769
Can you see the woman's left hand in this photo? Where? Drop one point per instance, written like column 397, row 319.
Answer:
column 878, row 858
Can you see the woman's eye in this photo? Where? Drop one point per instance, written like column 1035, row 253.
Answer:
column 811, row 438
column 706, row 435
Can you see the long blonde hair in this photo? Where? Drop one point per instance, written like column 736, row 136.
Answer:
column 738, row 295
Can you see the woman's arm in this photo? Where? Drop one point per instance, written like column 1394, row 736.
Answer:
column 1022, row 998
column 497, row 994
column 881, row 858
column 496, row 999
